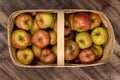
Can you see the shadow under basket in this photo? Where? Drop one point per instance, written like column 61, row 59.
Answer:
column 108, row 47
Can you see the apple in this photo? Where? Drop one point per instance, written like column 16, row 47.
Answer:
column 47, row 56
column 20, row 39
column 76, row 60
column 55, row 27
column 44, row 20
column 71, row 50
column 99, row 35
column 25, row 56
column 70, row 20
column 67, row 30
column 37, row 51
column 53, row 37
column 87, row 56
column 96, row 20
column 71, row 36
column 41, row 39
column 84, row 40
column 81, row 22
column 34, row 28
column 54, row 20
column 54, row 49
column 24, row 21
column 98, row 51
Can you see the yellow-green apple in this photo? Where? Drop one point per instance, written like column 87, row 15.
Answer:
column 54, row 20
column 55, row 27
column 71, row 50
column 99, row 35
column 20, row 39
column 47, row 56
column 41, row 38
column 37, row 51
column 81, row 22
column 70, row 19
column 44, row 20
column 84, row 40
column 98, row 51
column 96, row 20
column 54, row 49
column 24, row 21
column 34, row 28
column 25, row 56
column 87, row 56
column 67, row 28
column 53, row 37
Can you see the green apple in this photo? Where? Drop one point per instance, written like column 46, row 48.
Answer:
column 24, row 21
column 20, row 39
column 44, row 19
column 54, row 20
column 53, row 37
column 54, row 49
column 25, row 56
column 99, row 35
column 98, row 51
column 36, row 51
column 84, row 40
column 34, row 28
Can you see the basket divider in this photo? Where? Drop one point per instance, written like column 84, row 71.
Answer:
column 60, row 39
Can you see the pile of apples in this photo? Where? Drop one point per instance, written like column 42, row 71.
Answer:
column 35, row 37
column 85, row 37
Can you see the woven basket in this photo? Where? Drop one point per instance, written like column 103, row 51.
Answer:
column 108, row 49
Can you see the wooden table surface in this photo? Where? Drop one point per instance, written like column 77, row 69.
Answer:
column 109, row 71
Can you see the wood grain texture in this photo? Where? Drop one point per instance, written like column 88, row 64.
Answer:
column 109, row 71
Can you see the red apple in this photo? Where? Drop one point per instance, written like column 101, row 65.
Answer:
column 47, row 56
column 67, row 30
column 20, row 39
column 53, row 37
column 55, row 27
column 81, row 22
column 44, row 20
column 24, row 21
column 96, row 20
column 70, row 19
column 76, row 60
column 87, row 56
column 71, row 36
column 41, row 39
column 25, row 56
column 71, row 50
